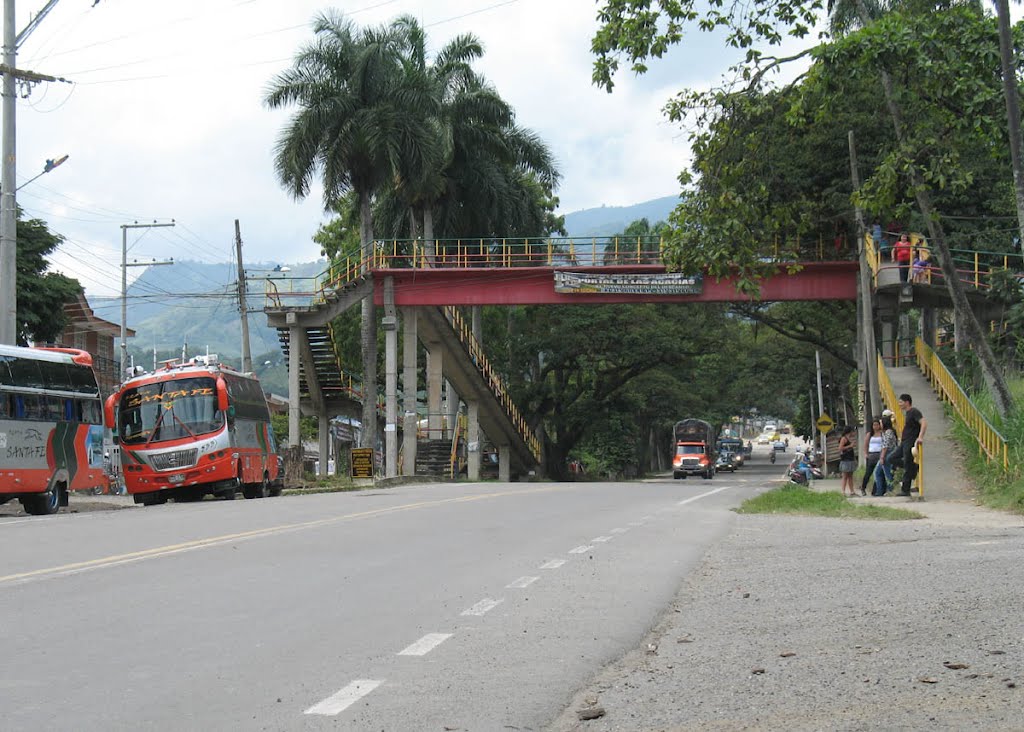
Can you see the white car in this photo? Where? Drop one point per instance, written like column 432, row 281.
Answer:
column 763, row 439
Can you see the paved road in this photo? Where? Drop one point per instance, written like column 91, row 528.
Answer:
column 807, row 624
column 443, row 606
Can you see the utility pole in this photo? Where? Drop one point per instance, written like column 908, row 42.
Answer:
column 124, row 284
column 8, row 168
column 821, row 399
column 246, row 354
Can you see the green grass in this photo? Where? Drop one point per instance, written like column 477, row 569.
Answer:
column 800, row 501
column 997, row 488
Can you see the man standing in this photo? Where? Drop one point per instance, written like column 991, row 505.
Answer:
column 914, row 427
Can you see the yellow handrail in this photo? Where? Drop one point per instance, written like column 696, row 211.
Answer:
column 993, row 444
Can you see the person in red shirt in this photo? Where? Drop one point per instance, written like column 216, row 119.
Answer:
column 901, row 255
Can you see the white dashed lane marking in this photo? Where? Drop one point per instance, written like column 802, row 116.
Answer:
column 425, row 644
column 619, row 531
column 521, row 583
column 553, row 564
column 702, row 495
column 484, row 606
column 344, row 698
column 580, row 550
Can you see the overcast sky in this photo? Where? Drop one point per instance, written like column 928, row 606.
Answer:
column 163, row 118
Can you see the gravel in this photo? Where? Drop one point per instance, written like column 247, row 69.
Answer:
column 809, row 623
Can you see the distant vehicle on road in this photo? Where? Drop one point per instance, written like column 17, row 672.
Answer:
column 695, row 449
column 779, row 445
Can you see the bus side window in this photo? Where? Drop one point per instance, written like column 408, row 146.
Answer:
column 91, row 411
column 69, row 411
column 53, row 408
column 5, row 405
column 19, row 406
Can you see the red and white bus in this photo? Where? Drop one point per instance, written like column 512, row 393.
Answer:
column 51, row 427
column 194, row 428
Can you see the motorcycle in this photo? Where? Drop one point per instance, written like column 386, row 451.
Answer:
column 771, row 457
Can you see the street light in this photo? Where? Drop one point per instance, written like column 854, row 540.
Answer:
column 50, row 165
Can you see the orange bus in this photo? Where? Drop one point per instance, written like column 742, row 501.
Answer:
column 51, row 427
column 194, row 428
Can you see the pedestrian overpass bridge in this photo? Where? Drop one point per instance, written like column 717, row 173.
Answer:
column 423, row 287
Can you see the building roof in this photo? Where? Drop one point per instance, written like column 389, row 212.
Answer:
column 79, row 313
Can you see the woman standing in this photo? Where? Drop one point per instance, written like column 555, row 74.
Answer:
column 847, row 461
column 901, row 254
column 883, row 471
column 872, row 451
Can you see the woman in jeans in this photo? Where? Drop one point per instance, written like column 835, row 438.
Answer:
column 883, row 471
column 872, row 451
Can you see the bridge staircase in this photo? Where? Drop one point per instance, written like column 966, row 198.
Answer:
column 324, row 387
column 473, row 377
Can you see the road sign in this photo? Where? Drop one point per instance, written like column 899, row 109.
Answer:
column 825, row 423
column 361, row 462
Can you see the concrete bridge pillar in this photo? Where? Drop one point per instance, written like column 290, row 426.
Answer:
column 294, row 339
column 435, row 386
column 324, row 433
column 475, row 448
column 410, row 347
column 504, row 468
column 390, row 325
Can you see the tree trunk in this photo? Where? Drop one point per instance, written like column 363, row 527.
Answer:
column 1012, row 111
column 368, row 329
column 430, row 246
column 972, row 328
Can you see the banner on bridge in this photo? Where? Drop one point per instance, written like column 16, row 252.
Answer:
column 668, row 283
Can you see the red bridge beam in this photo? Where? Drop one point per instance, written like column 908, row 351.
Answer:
column 535, row 286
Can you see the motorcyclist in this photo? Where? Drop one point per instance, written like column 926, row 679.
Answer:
column 771, row 456
column 803, row 464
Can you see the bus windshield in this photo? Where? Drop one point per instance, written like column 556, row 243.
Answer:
column 169, row 410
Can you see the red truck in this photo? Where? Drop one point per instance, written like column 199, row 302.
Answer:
column 694, row 449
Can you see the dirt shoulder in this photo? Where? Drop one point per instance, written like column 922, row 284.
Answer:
column 812, row 623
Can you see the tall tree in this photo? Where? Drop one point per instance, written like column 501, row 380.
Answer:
column 352, row 128
column 41, row 294
column 641, row 29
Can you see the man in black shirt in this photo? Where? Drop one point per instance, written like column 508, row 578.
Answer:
column 914, row 427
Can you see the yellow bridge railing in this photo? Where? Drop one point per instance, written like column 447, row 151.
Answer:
column 494, row 382
column 993, row 444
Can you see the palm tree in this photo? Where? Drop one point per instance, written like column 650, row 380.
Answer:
column 486, row 181
column 352, row 128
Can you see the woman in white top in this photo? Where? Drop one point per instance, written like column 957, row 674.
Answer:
column 872, row 450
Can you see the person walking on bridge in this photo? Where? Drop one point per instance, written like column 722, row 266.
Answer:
column 914, row 428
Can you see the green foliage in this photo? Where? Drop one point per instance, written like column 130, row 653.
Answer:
column 307, row 428
column 41, row 294
column 801, row 501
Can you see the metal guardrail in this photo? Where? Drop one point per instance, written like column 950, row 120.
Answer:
column 992, row 443
column 524, row 252
column 970, row 264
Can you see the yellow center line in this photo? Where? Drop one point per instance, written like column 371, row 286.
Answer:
column 162, row 551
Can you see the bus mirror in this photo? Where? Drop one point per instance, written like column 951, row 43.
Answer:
column 108, row 411
column 231, row 413
column 222, row 396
